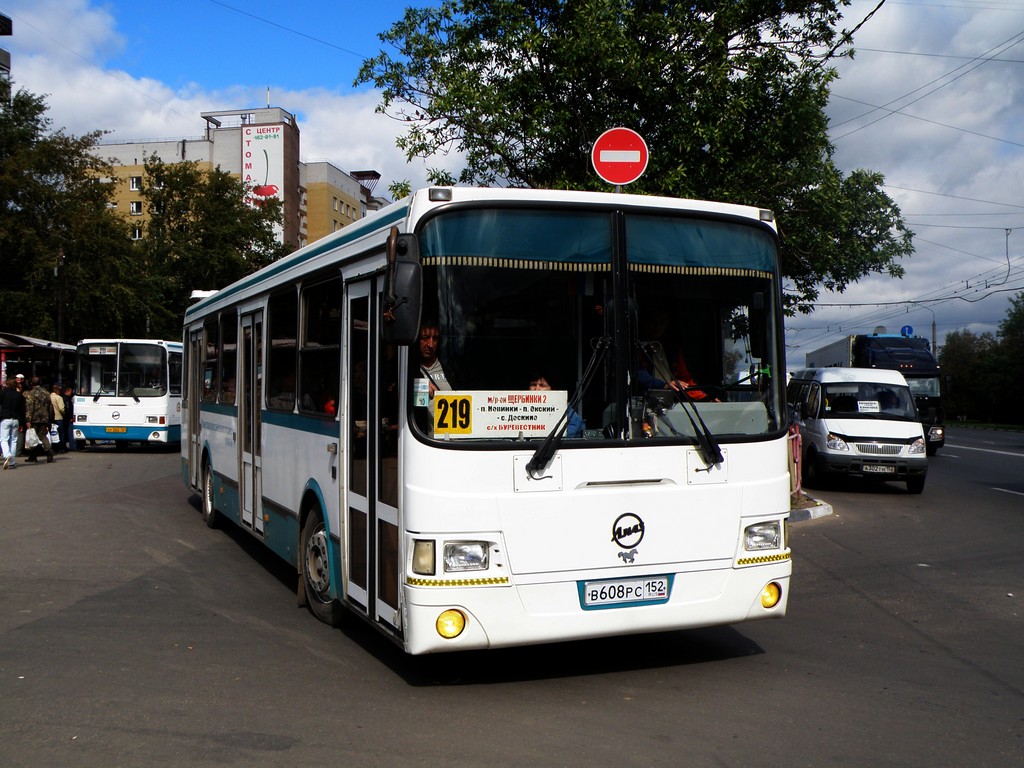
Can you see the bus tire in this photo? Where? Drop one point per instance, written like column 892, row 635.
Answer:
column 209, row 510
column 316, row 570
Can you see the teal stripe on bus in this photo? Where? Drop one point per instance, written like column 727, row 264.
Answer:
column 300, row 423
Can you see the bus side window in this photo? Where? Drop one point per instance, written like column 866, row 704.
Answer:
column 211, row 354
column 320, row 351
column 283, row 317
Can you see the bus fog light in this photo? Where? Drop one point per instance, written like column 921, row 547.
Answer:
column 465, row 556
column 450, row 623
column 771, row 594
column 423, row 557
column 762, row 536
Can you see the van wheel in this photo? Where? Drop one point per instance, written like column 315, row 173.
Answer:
column 915, row 484
column 316, row 570
column 209, row 511
column 810, row 475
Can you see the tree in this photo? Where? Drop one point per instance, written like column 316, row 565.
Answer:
column 203, row 232
column 966, row 360
column 63, row 253
column 728, row 93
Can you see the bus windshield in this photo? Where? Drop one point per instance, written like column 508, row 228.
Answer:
column 123, row 369
column 608, row 324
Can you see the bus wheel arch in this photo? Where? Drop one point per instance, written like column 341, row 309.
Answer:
column 315, row 577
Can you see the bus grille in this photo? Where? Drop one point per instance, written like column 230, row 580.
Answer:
column 880, row 449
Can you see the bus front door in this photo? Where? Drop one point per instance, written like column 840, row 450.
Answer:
column 194, row 394
column 372, row 540
column 250, row 397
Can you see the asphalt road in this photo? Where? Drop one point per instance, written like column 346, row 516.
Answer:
column 132, row 635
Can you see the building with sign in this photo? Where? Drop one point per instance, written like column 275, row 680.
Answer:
column 261, row 147
column 6, row 29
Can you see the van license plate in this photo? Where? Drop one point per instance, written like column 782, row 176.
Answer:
column 880, row 469
column 649, row 589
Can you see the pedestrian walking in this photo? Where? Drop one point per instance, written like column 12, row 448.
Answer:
column 69, row 415
column 38, row 417
column 57, row 401
column 12, row 421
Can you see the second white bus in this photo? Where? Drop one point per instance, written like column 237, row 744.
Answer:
column 128, row 391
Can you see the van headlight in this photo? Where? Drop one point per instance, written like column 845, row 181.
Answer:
column 917, row 447
column 836, row 443
column 465, row 556
column 762, row 536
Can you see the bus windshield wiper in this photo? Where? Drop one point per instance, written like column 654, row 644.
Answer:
column 543, row 455
column 710, row 451
column 130, row 391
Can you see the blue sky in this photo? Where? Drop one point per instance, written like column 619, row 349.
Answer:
column 933, row 100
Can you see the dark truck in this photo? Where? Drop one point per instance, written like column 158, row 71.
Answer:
column 910, row 355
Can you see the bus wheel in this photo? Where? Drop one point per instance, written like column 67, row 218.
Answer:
column 316, row 570
column 209, row 511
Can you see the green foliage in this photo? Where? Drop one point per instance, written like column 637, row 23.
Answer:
column 983, row 372
column 203, row 233
column 68, row 267
column 728, row 94
column 61, row 249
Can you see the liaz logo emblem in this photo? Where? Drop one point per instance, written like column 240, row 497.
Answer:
column 628, row 530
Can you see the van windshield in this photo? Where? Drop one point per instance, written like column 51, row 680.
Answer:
column 867, row 400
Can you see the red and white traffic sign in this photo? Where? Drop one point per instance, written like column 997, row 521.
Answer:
column 619, row 155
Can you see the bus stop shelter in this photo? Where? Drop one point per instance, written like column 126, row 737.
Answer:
column 51, row 361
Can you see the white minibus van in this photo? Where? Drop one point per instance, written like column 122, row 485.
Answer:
column 859, row 422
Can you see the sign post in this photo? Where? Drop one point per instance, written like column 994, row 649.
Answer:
column 619, row 156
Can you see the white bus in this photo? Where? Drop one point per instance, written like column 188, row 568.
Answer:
column 471, row 517
column 128, row 390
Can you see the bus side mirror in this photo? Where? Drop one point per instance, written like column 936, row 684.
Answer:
column 403, row 288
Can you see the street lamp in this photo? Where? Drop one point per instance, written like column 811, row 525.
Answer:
column 934, row 347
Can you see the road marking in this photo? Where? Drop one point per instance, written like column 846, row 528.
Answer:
column 987, row 450
column 1007, row 490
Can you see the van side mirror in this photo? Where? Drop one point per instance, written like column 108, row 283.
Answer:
column 403, row 289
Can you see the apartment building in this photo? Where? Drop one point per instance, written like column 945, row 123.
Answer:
column 262, row 147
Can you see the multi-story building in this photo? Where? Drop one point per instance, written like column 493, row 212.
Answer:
column 6, row 29
column 261, row 147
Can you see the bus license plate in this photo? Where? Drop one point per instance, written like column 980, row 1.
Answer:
column 881, row 469
column 648, row 589
column 117, row 429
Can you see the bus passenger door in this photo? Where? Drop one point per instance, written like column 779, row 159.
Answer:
column 194, row 372
column 372, row 540
column 250, row 398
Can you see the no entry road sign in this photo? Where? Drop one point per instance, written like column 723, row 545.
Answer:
column 619, row 156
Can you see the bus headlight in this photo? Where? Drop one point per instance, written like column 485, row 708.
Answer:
column 423, row 557
column 762, row 536
column 465, row 556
